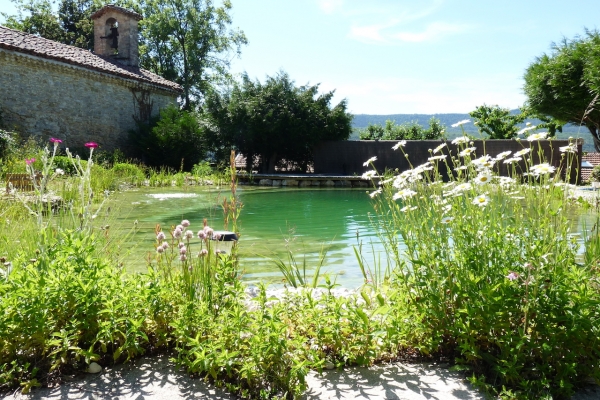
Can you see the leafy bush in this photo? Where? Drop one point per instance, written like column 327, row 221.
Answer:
column 175, row 141
column 407, row 131
column 202, row 169
column 486, row 276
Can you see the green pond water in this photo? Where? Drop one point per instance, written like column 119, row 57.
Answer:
column 307, row 221
column 273, row 220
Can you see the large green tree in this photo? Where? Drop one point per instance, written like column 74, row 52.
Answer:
column 565, row 84
column 189, row 42
column 274, row 121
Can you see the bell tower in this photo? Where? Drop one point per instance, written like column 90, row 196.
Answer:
column 116, row 34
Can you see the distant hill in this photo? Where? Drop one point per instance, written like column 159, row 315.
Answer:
column 361, row 121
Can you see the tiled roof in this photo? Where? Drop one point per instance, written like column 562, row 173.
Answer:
column 26, row 43
column 112, row 7
column 592, row 158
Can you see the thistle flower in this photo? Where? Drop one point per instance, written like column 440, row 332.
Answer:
column 203, row 253
column 185, row 223
column 189, row 234
column 91, row 145
column 201, row 234
column 55, row 141
column 161, row 236
column 182, row 257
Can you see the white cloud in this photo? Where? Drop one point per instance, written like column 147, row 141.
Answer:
column 329, row 6
column 431, row 32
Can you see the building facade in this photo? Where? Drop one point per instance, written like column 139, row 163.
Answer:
column 49, row 89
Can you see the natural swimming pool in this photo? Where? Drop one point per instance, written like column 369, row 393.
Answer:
column 273, row 220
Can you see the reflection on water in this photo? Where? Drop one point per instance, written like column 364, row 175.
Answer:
column 273, row 220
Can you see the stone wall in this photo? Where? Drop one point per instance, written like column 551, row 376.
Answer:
column 45, row 98
column 347, row 157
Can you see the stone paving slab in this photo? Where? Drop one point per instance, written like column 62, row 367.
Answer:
column 156, row 378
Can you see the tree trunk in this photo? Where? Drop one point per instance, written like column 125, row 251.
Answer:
column 594, row 131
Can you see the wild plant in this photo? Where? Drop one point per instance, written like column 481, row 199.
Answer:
column 486, row 269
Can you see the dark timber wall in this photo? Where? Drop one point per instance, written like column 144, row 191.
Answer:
column 347, row 157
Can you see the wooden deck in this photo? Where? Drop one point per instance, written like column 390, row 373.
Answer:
column 303, row 180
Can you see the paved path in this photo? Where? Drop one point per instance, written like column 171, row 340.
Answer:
column 155, row 378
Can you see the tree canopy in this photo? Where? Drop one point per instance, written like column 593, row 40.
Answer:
column 274, row 121
column 406, row 131
column 565, row 84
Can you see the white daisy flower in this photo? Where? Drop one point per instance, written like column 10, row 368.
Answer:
column 447, row 220
column 404, row 194
column 461, row 140
column 459, row 123
column 483, row 178
column 503, row 155
column 401, row 143
column 537, row 136
column 522, row 152
column 441, row 146
column 482, row 200
column 526, row 129
column 542, row 169
column 571, row 148
column 437, row 158
column 375, row 193
column 369, row 174
column 369, row 161
column 467, row 151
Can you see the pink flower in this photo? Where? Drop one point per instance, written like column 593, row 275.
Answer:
column 203, row 253
column 182, row 250
column 55, row 140
column 217, row 236
column 161, row 236
column 185, row 223
column 91, row 145
column 177, row 233
column 189, row 234
column 202, row 235
column 29, row 161
column 182, row 257
column 208, row 231
column 160, row 249
column 512, row 276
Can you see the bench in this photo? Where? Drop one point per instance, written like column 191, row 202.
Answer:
column 21, row 181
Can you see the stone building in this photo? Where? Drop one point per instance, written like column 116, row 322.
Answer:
column 49, row 89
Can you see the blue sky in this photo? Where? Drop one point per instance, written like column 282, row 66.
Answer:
column 405, row 56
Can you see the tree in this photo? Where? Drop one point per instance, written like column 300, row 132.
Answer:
column 406, row 131
column 566, row 83
column 274, row 121
column 497, row 122
column 189, row 42
column 35, row 17
column 173, row 140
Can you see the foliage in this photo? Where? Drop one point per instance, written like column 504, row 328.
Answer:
column 565, row 84
column 406, row 131
column 274, row 120
column 174, row 141
column 488, row 278
column 497, row 122
column 189, row 42
column 595, row 174
column 7, row 143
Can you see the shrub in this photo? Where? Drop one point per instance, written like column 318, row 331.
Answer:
column 488, row 274
column 174, row 141
column 407, row 131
